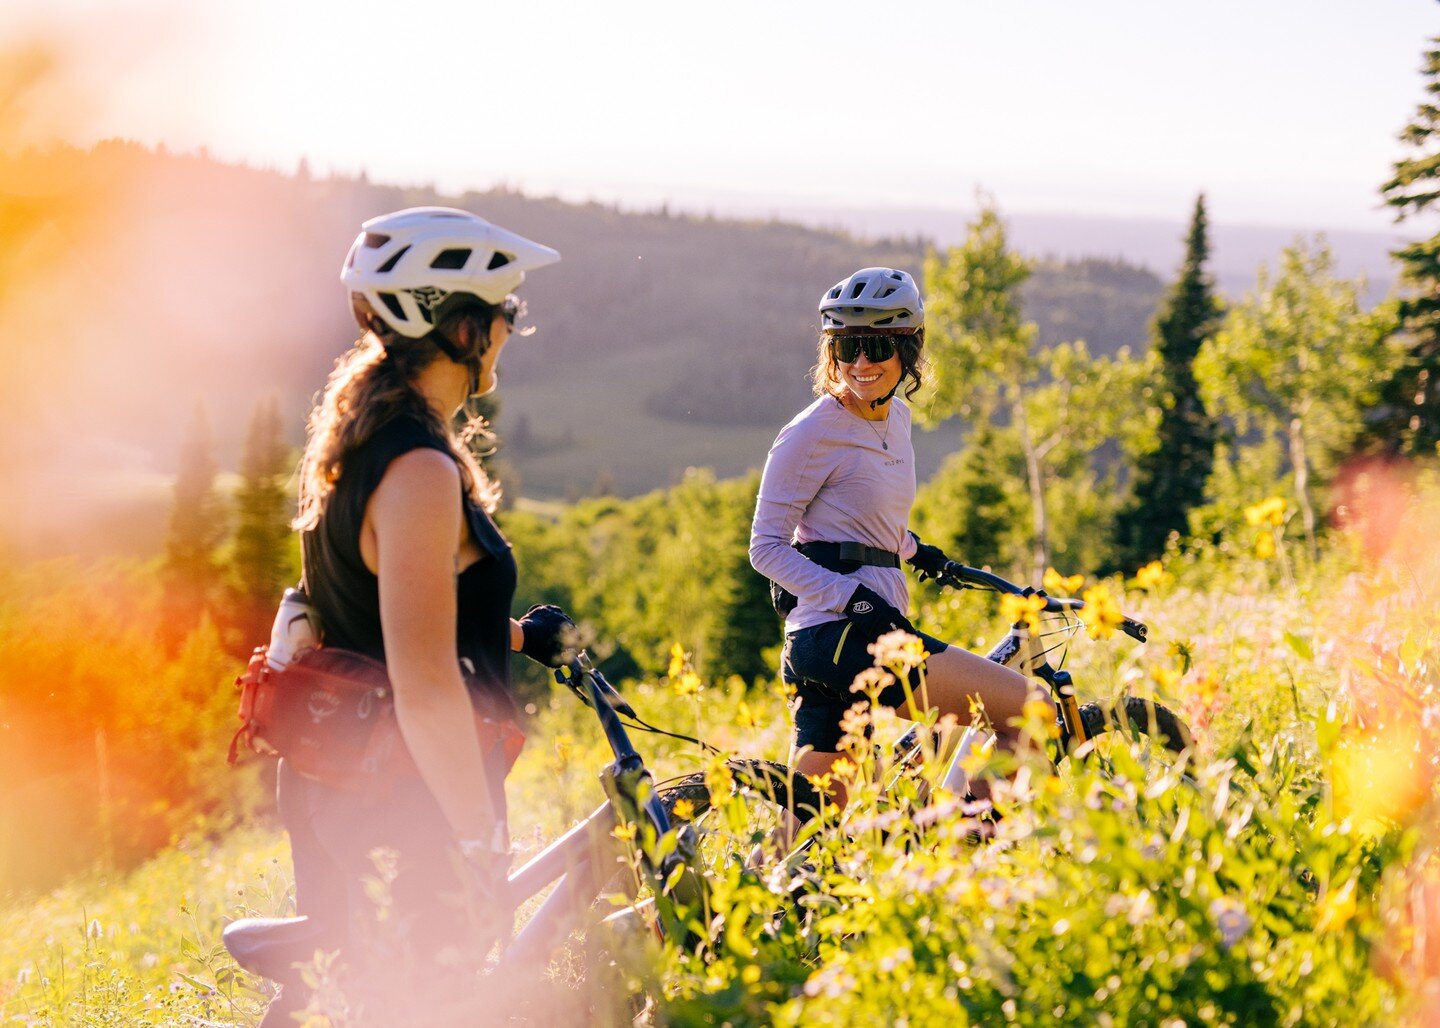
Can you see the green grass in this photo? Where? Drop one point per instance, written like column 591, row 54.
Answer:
column 1265, row 891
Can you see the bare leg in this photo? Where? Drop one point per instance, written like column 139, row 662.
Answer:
column 956, row 676
column 953, row 678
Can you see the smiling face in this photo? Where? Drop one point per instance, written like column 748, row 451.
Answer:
column 866, row 381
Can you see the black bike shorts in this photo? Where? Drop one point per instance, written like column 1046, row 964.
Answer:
column 822, row 662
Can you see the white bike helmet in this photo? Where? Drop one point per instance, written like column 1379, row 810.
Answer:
column 873, row 298
column 405, row 264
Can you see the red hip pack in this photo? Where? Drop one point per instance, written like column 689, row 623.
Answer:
column 331, row 714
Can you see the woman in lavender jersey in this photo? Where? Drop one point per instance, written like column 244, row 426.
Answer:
column 831, row 529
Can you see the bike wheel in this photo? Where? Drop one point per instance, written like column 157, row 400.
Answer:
column 765, row 785
column 1137, row 715
column 1135, row 720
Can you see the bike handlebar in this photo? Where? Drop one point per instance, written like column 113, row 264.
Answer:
column 962, row 576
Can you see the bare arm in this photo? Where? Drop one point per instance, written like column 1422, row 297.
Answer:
column 415, row 515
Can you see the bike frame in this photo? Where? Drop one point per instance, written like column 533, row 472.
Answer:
column 1020, row 650
column 584, row 859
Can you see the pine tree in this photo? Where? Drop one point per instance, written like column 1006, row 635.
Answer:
column 260, row 564
column 1410, row 406
column 1170, row 480
column 197, row 525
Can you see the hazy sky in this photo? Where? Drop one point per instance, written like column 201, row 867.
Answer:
column 1285, row 111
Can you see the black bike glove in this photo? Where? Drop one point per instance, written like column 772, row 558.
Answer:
column 928, row 560
column 551, row 638
column 869, row 612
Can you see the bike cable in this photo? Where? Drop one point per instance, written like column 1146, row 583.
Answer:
column 645, row 726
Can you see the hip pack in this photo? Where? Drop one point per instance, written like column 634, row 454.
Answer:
column 844, row 558
column 331, row 714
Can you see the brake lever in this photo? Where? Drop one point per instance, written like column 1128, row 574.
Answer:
column 578, row 670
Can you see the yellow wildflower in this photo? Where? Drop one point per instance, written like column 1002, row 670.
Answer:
column 1166, row 677
column 844, row 768
column 1055, row 582
column 1036, row 709
column 745, row 717
column 1101, row 614
column 625, row 833
column 1269, row 511
column 1337, row 907
column 683, row 810
column 1265, row 545
column 688, row 684
column 677, row 660
column 1151, row 576
column 1015, row 609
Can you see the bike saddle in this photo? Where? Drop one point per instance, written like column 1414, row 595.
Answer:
column 272, row 946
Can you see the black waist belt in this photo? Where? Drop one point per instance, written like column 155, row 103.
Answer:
column 846, row 557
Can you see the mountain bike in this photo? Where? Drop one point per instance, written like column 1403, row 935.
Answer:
column 1083, row 729
column 588, row 861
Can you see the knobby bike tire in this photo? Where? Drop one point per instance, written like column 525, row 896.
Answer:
column 765, row 780
column 1136, row 713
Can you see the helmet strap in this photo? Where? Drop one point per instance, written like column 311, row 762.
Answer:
column 883, row 400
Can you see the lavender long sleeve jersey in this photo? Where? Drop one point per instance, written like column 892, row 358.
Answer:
column 834, row 477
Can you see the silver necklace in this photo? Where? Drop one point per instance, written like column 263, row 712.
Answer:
column 882, row 437
column 878, row 435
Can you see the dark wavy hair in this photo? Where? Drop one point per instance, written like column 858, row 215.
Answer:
column 374, row 383
column 825, row 376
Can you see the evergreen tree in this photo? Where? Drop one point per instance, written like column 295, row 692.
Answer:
column 1409, row 419
column 197, row 526
column 261, row 564
column 1170, row 479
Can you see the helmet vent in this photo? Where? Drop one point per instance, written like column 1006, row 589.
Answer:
column 884, row 292
column 394, row 260
column 897, row 276
column 834, row 294
column 451, row 260
column 499, row 260
column 857, row 289
column 375, row 240
column 885, row 321
column 391, row 301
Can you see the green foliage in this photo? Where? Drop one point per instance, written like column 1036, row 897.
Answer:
column 970, row 507
column 263, row 556
column 1411, row 408
column 111, row 743
column 645, row 573
column 1257, row 891
column 977, row 342
column 1061, row 406
column 1170, row 478
column 197, row 527
column 1299, row 360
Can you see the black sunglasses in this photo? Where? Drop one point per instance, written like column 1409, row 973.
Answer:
column 877, row 348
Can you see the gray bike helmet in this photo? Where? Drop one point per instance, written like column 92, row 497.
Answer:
column 871, row 299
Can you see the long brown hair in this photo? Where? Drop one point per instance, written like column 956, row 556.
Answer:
column 826, row 380
column 374, row 383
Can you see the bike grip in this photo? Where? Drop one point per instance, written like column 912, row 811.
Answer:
column 1136, row 630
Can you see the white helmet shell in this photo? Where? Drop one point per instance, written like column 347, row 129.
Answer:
column 873, row 298
column 406, row 263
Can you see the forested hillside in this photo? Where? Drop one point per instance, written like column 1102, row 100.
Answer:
column 664, row 341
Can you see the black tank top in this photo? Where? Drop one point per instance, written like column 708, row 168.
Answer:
column 346, row 593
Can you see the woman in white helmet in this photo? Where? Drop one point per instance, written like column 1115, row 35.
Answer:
column 831, row 531
column 403, row 563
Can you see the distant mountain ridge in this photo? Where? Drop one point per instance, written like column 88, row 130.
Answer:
column 665, row 341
